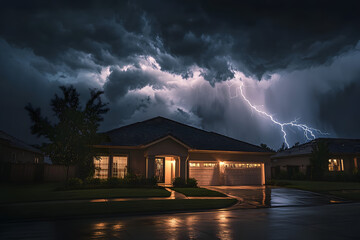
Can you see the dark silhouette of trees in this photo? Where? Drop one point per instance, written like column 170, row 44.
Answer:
column 319, row 159
column 282, row 148
column 71, row 137
column 265, row 146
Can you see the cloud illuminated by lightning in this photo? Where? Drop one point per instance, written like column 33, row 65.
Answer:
column 309, row 132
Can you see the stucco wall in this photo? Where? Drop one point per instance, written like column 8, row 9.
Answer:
column 167, row 147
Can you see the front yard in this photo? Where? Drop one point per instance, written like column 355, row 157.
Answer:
column 199, row 192
column 80, row 209
column 347, row 190
column 36, row 201
column 12, row 193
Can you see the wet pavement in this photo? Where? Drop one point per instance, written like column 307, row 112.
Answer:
column 277, row 213
column 264, row 196
column 336, row 221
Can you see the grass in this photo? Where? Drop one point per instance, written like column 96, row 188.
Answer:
column 71, row 209
column 199, row 192
column 347, row 190
column 46, row 192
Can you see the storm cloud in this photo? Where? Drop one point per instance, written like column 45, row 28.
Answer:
column 296, row 59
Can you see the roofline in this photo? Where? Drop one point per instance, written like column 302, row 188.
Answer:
column 308, row 154
column 199, row 129
column 224, row 151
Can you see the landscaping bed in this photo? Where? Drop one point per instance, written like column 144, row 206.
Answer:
column 78, row 209
column 198, row 192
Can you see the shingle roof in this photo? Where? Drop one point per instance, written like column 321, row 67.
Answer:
column 14, row 142
column 142, row 133
column 335, row 146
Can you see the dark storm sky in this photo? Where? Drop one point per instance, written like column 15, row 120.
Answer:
column 184, row 59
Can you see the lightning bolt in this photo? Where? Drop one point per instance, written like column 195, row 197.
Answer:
column 309, row 132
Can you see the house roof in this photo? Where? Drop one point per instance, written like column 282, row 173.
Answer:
column 143, row 133
column 335, row 146
column 16, row 143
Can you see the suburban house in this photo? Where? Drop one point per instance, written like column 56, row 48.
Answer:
column 166, row 149
column 344, row 157
column 18, row 160
column 13, row 150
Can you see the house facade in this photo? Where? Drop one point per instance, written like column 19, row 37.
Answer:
column 344, row 157
column 165, row 149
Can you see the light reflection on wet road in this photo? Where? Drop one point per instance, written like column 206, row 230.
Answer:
column 336, row 221
column 300, row 221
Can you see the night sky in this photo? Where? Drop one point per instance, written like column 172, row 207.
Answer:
column 185, row 60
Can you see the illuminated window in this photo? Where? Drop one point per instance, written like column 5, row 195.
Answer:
column 336, row 165
column 101, row 167
column 242, row 165
column 36, row 160
column 119, row 167
column 211, row 165
column 194, row 164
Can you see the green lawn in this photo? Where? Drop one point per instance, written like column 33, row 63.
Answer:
column 71, row 209
column 198, row 192
column 47, row 192
column 348, row 190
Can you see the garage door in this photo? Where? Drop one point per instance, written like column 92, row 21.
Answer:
column 243, row 174
column 206, row 173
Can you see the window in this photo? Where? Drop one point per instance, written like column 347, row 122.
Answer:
column 36, row 160
column 194, row 164
column 101, row 167
column 119, row 166
column 336, row 165
column 242, row 165
column 210, row 165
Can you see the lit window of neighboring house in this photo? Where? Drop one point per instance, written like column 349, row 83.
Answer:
column 36, row 160
column 336, row 165
column 101, row 167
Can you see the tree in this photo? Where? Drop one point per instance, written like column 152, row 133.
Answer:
column 71, row 137
column 319, row 159
column 264, row 146
column 282, row 148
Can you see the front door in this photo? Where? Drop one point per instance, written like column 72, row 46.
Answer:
column 159, row 169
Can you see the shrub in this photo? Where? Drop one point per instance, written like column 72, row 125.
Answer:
column 92, row 181
column 151, row 181
column 179, row 182
column 114, row 182
column 298, row 176
column 191, row 182
column 74, row 182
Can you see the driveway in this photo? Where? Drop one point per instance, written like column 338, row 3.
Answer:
column 264, row 196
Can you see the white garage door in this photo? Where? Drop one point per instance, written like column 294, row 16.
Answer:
column 243, row 174
column 206, row 173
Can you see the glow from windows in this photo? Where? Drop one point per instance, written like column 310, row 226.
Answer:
column 242, row 165
column 336, row 165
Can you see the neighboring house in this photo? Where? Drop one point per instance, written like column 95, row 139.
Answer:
column 166, row 149
column 13, row 150
column 344, row 157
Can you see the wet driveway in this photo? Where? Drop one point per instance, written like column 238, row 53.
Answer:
column 264, row 196
column 331, row 221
